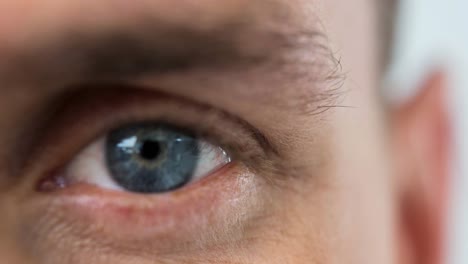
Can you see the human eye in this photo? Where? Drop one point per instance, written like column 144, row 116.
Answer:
column 150, row 158
column 130, row 165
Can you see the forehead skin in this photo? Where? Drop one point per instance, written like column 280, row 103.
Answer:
column 335, row 205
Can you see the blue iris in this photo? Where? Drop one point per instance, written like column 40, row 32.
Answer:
column 151, row 157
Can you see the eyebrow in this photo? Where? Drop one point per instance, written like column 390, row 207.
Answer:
column 290, row 54
column 129, row 53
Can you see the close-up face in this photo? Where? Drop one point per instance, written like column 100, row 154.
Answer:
column 203, row 131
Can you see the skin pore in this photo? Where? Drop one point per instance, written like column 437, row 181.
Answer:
column 321, row 172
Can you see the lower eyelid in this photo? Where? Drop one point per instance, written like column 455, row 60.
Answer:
column 158, row 223
column 200, row 205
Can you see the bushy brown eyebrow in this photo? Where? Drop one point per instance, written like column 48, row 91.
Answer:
column 154, row 48
column 293, row 54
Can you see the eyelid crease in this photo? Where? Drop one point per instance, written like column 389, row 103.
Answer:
column 89, row 114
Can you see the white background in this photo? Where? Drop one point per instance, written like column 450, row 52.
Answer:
column 433, row 34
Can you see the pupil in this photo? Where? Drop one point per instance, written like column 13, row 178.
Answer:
column 150, row 150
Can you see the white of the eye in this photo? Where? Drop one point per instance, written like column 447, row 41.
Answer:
column 210, row 159
column 90, row 167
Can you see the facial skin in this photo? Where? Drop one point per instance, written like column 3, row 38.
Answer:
column 321, row 171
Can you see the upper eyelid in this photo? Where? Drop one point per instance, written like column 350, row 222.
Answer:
column 84, row 116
